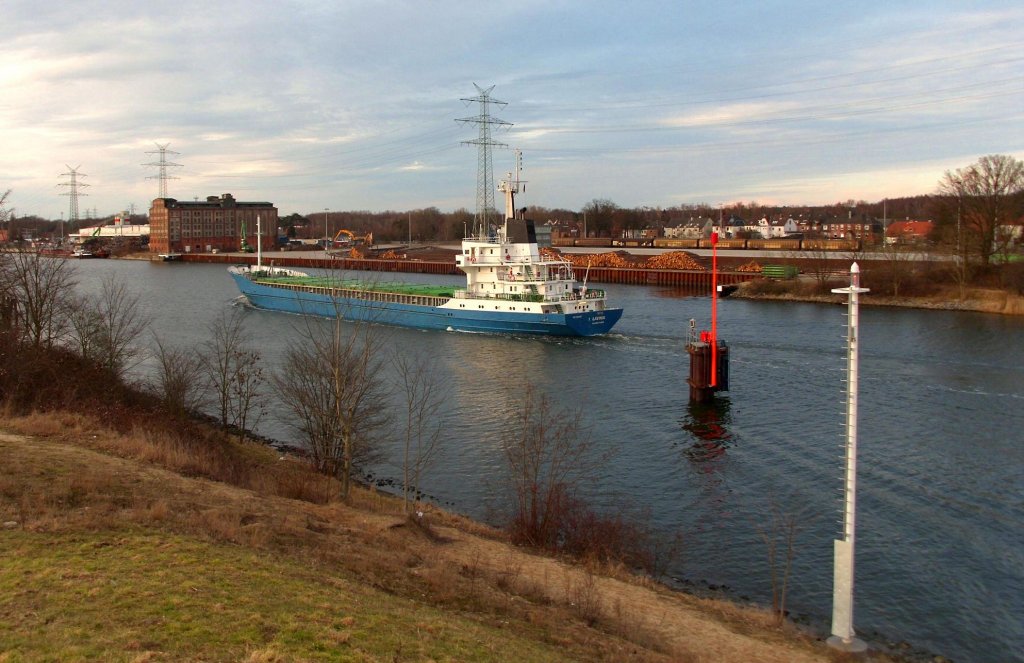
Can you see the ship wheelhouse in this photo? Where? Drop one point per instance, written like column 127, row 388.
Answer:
column 504, row 264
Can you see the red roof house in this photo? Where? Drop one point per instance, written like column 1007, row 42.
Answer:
column 908, row 232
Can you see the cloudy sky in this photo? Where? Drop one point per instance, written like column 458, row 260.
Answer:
column 352, row 104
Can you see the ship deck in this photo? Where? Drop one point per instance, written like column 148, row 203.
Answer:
column 394, row 287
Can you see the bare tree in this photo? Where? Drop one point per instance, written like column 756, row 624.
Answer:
column 84, row 329
column 219, row 356
column 4, row 212
column 247, row 383
column 897, row 264
column 421, row 425
column 180, row 380
column 820, row 263
column 954, row 261
column 599, row 215
column 106, row 327
column 41, row 288
column 989, row 194
column 549, row 455
column 234, row 373
column 778, row 532
column 331, row 383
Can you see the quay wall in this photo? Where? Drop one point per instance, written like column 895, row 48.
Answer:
column 628, row 275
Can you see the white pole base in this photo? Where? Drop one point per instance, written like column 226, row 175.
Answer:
column 851, row 646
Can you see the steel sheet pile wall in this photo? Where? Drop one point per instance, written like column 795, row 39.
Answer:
column 667, row 277
column 279, row 260
column 663, row 276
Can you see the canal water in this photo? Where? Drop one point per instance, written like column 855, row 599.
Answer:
column 940, row 548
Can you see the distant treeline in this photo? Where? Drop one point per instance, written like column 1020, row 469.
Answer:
column 602, row 218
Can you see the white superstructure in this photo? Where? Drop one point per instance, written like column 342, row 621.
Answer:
column 506, row 272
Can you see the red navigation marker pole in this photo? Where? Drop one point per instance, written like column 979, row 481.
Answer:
column 709, row 363
column 714, row 309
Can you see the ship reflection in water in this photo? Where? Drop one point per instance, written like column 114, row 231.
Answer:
column 707, row 423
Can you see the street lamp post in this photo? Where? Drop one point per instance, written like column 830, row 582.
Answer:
column 326, row 235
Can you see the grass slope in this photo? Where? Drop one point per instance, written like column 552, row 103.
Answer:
column 123, row 548
column 119, row 595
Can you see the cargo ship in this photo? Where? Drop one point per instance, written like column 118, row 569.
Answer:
column 510, row 288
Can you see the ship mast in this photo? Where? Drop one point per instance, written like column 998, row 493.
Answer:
column 510, row 186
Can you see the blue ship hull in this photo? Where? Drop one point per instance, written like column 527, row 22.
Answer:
column 589, row 323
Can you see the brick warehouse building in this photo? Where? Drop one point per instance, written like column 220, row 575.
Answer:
column 181, row 226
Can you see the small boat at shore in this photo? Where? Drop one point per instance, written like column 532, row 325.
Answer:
column 510, row 288
column 82, row 254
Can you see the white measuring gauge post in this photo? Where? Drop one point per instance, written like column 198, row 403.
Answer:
column 843, row 637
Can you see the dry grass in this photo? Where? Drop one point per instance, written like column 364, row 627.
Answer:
column 199, row 452
column 1014, row 305
column 72, row 475
column 939, row 297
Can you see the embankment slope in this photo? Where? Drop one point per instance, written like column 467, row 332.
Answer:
column 113, row 548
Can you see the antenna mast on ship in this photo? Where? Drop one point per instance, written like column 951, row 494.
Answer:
column 511, row 186
column 484, row 172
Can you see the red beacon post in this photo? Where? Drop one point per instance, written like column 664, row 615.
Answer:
column 709, row 357
column 714, row 309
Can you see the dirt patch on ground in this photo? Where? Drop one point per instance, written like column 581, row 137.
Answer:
column 690, row 628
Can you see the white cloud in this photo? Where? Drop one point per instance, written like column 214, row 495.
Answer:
column 729, row 114
column 308, row 104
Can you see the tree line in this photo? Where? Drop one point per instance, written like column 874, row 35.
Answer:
column 969, row 205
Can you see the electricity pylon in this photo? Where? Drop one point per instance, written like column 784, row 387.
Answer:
column 73, row 190
column 484, row 168
column 163, row 164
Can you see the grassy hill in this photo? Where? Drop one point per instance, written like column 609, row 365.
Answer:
column 149, row 546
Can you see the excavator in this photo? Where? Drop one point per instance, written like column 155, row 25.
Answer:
column 244, row 245
column 346, row 244
column 346, row 238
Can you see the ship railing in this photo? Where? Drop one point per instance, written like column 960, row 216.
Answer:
column 486, row 260
column 518, row 277
column 488, row 238
column 504, row 296
column 490, row 261
column 575, row 296
column 527, row 297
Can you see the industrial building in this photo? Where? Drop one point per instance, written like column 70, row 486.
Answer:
column 219, row 223
column 109, row 231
